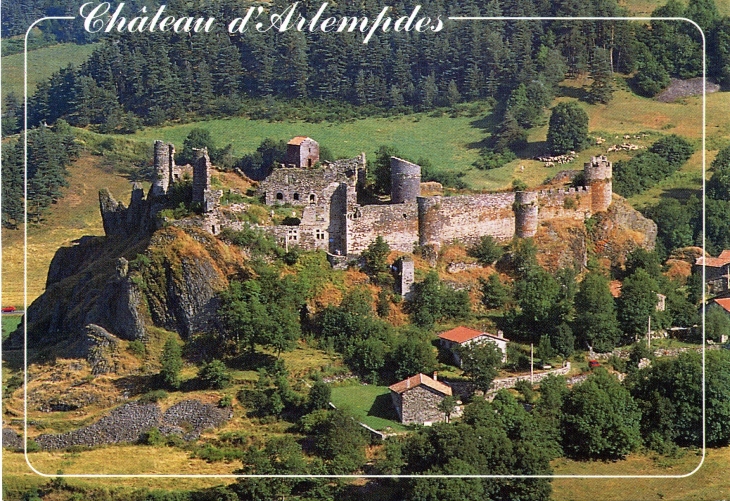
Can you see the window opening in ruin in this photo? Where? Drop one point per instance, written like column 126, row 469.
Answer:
column 296, row 196
column 311, row 198
column 309, row 162
column 405, row 216
column 212, row 229
column 280, row 196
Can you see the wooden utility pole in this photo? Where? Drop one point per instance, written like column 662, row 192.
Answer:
column 532, row 364
column 648, row 334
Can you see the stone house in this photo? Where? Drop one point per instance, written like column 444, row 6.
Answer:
column 722, row 304
column 717, row 272
column 464, row 336
column 417, row 398
column 302, row 152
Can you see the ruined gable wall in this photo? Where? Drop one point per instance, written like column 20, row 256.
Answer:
column 572, row 203
column 466, row 218
column 299, row 183
column 420, row 404
column 396, row 223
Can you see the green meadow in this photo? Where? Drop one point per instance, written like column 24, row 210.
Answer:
column 42, row 63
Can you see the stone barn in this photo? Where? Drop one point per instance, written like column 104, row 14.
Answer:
column 417, row 398
column 464, row 336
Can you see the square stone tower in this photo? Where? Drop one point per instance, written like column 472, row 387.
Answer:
column 302, row 152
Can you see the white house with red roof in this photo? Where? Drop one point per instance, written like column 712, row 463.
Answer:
column 464, row 336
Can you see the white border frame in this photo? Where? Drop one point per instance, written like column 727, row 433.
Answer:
column 454, row 18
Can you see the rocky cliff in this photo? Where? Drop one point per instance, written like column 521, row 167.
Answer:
column 104, row 288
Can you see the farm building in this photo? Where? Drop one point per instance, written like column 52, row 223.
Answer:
column 417, row 399
column 464, row 336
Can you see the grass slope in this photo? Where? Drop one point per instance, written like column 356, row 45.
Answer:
column 75, row 215
column 709, row 482
column 42, row 63
column 370, row 404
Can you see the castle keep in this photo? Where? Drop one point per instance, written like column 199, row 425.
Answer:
column 333, row 220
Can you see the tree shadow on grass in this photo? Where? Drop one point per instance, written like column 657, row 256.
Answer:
column 252, row 361
column 137, row 384
column 682, row 194
column 383, row 408
column 574, row 92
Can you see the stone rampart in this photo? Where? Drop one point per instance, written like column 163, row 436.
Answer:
column 397, row 224
column 466, row 218
column 302, row 186
column 570, row 203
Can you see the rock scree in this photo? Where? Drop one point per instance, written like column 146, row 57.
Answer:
column 129, row 422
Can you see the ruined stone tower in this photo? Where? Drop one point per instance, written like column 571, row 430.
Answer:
column 429, row 221
column 598, row 173
column 164, row 162
column 525, row 208
column 301, row 152
column 405, row 181
column 405, row 269
column 201, row 174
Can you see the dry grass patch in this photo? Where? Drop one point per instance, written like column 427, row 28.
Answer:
column 74, row 216
column 710, row 482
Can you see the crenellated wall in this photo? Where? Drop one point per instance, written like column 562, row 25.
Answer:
column 397, row 224
column 571, row 203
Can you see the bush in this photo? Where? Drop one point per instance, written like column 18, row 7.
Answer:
column 674, row 149
column 493, row 160
column 214, row 375
column 137, row 348
column 152, row 396
column 487, row 251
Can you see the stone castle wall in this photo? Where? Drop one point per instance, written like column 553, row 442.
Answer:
column 466, row 218
column 332, row 219
column 397, row 224
column 570, row 203
column 303, row 186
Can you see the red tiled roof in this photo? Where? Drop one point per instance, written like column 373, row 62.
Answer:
column 417, row 380
column 460, row 334
column 714, row 262
column 724, row 303
column 297, row 140
column 463, row 334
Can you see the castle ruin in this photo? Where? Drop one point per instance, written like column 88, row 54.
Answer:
column 333, row 220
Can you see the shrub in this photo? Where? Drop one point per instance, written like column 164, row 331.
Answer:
column 214, row 375
column 486, row 251
column 137, row 348
column 152, row 396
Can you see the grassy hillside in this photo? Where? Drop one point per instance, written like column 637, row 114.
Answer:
column 645, row 7
column 453, row 143
column 710, row 482
column 75, row 215
column 42, row 63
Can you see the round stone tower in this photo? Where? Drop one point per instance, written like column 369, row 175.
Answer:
column 405, row 181
column 598, row 173
column 429, row 221
column 525, row 208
